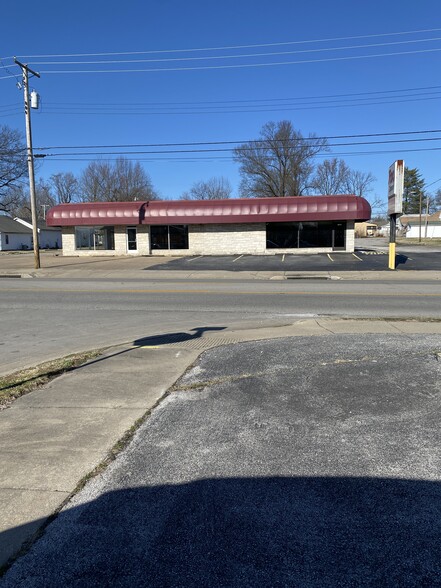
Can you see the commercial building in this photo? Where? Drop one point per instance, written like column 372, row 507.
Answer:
column 258, row 226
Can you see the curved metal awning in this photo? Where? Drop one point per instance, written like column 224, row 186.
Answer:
column 184, row 212
column 96, row 213
column 257, row 210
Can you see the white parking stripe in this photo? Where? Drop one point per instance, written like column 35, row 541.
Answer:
column 193, row 258
column 237, row 258
column 283, row 257
column 330, row 257
column 357, row 257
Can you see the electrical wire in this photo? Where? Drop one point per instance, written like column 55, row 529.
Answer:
column 231, row 47
column 208, row 143
column 238, row 149
column 345, row 154
column 236, row 66
column 239, row 56
column 248, row 100
column 242, row 111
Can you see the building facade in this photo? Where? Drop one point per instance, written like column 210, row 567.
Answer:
column 13, row 235
column 427, row 226
column 258, row 226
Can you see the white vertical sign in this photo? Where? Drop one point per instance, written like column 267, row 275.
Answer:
column 395, row 188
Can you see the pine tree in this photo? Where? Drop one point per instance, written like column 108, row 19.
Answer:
column 413, row 191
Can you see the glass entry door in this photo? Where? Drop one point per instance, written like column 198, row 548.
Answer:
column 132, row 241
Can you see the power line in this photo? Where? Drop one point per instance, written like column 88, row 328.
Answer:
column 214, row 158
column 243, row 110
column 194, row 143
column 229, row 149
column 239, row 56
column 250, row 99
column 230, row 47
column 236, row 66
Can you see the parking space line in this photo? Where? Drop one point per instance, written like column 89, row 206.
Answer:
column 237, row 258
column 283, row 257
column 330, row 257
column 193, row 258
column 359, row 258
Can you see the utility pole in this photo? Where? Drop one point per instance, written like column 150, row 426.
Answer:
column 27, row 108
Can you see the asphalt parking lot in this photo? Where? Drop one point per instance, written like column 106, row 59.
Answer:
column 361, row 260
column 275, row 463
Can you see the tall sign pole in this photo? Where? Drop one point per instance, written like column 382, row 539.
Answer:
column 27, row 107
column 395, row 205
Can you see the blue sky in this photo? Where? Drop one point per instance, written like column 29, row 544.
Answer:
column 336, row 90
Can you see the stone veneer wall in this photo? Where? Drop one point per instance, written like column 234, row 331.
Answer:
column 143, row 237
column 350, row 236
column 225, row 239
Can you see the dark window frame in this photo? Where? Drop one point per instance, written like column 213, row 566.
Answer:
column 168, row 237
column 306, row 235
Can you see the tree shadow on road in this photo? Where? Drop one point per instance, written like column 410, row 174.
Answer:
column 236, row 532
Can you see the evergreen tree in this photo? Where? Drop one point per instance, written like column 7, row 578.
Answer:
column 413, row 191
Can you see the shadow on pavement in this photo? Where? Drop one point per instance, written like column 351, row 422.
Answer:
column 400, row 259
column 180, row 337
column 266, row 532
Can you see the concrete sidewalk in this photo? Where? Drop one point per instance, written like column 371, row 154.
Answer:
column 54, row 265
column 55, row 436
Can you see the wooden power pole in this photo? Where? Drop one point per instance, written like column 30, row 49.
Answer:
column 30, row 156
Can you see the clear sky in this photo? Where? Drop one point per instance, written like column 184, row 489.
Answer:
column 323, row 81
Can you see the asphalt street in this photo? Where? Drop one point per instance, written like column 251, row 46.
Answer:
column 303, row 463
column 48, row 318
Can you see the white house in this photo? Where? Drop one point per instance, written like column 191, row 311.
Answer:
column 14, row 235
column 430, row 225
column 48, row 237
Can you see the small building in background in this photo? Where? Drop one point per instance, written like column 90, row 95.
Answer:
column 430, row 225
column 366, row 229
column 14, row 236
column 48, row 237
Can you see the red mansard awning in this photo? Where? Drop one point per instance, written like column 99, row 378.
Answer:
column 184, row 212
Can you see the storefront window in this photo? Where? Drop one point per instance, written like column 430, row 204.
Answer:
column 305, row 235
column 169, row 236
column 95, row 238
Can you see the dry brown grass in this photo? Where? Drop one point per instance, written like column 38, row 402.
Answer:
column 24, row 381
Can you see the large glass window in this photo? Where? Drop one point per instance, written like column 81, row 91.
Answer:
column 169, row 236
column 305, row 235
column 95, row 238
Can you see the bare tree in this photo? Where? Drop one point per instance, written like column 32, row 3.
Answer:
column 13, row 166
column 65, row 187
column 131, row 182
column 95, row 182
column 359, row 183
column 279, row 163
column 121, row 181
column 212, row 189
column 22, row 207
column 334, row 176
column 331, row 177
column 436, row 200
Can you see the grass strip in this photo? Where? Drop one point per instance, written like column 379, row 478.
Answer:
column 24, row 381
